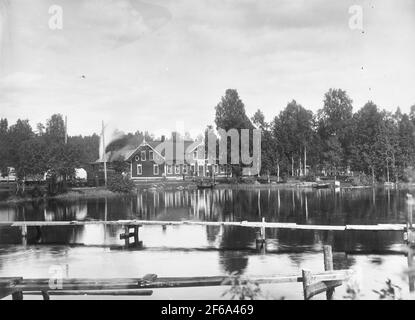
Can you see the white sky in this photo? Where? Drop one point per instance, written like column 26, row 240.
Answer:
column 150, row 64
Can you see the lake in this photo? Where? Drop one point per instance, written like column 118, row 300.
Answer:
column 209, row 250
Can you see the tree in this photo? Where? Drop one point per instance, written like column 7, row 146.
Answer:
column 367, row 139
column 62, row 159
column 17, row 135
column 406, row 150
column 269, row 152
column 293, row 131
column 33, row 158
column 230, row 114
column 55, row 129
column 88, row 146
column 4, row 146
column 334, row 127
column 412, row 114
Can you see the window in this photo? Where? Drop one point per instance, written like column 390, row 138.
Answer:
column 143, row 155
column 156, row 169
column 177, row 169
column 185, row 168
column 150, row 155
column 216, row 168
column 195, row 154
column 169, row 169
column 137, row 158
column 139, row 169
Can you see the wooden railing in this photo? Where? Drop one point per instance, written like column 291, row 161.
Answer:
column 313, row 283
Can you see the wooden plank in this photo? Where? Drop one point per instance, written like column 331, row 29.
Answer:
column 320, row 287
column 168, row 282
column 328, row 266
column 307, row 278
column 275, row 225
column 120, row 292
column 8, row 287
column 377, row 227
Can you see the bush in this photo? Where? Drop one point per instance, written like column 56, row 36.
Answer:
column 361, row 180
column 409, row 175
column 308, row 178
column 118, row 183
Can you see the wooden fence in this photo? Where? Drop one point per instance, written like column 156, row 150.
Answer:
column 313, row 283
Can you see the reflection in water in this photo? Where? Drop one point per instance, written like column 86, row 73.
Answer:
column 303, row 206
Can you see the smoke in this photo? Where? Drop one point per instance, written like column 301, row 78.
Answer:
column 109, row 134
column 118, row 144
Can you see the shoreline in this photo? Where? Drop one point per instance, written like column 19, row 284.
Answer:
column 102, row 192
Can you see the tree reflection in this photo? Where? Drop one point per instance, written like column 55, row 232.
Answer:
column 235, row 238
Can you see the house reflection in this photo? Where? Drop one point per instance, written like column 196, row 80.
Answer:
column 303, row 206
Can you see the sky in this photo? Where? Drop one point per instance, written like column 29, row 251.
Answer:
column 149, row 65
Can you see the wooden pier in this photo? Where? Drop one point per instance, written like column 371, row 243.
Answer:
column 313, row 283
column 263, row 224
column 131, row 228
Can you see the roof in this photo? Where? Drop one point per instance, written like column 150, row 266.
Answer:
column 126, row 153
column 189, row 146
column 118, row 155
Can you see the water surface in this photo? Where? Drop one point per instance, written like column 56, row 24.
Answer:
column 210, row 250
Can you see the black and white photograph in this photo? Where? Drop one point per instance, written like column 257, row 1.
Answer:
column 207, row 150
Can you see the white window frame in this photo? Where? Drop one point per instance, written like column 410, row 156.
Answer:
column 156, row 170
column 151, row 155
column 139, row 169
column 169, row 169
column 143, row 155
column 195, row 154
column 216, row 168
column 185, row 169
column 137, row 158
column 177, row 169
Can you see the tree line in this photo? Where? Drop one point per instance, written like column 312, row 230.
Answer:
column 333, row 141
column 47, row 149
column 296, row 142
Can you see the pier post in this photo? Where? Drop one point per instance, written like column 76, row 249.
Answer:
column 260, row 241
column 411, row 278
column 136, row 240
column 307, row 279
column 127, row 235
column 409, row 201
column 24, row 234
column 328, row 266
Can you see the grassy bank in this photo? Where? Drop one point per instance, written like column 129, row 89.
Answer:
column 72, row 194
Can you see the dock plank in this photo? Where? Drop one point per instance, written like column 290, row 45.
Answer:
column 269, row 225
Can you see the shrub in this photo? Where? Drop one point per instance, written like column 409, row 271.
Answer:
column 118, row 183
column 409, row 175
column 241, row 289
column 308, row 178
column 361, row 180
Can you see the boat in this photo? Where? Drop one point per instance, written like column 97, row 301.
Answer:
column 203, row 184
column 322, row 186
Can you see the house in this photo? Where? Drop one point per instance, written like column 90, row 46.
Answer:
column 173, row 159
column 186, row 158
